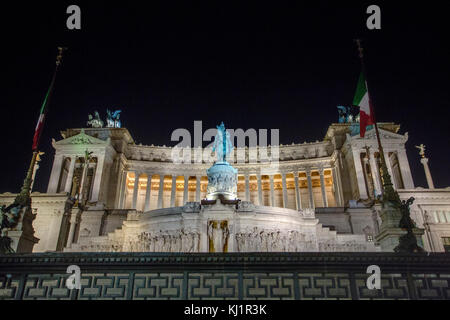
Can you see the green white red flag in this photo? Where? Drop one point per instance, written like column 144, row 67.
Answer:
column 43, row 112
column 362, row 100
column 40, row 123
column 37, row 132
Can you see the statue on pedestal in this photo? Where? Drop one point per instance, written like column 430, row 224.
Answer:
column 218, row 233
column 407, row 242
column 222, row 143
column 9, row 218
column 421, row 148
column 222, row 177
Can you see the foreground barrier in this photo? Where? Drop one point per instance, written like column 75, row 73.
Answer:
column 224, row 276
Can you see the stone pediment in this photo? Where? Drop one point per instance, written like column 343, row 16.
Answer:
column 384, row 135
column 80, row 139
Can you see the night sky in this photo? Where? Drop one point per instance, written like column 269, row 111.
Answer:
column 262, row 65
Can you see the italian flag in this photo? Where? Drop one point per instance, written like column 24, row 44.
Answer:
column 363, row 102
column 38, row 131
column 40, row 123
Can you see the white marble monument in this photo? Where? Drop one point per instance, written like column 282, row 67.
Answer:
column 320, row 197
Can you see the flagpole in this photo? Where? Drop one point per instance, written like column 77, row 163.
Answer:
column 23, row 198
column 394, row 214
column 388, row 191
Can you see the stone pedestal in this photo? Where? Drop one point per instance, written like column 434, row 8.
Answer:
column 389, row 238
column 390, row 216
column 21, row 242
column 390, row 233
column 22, row 236
column 91, row 223
column 222, row 216
column 222, row 180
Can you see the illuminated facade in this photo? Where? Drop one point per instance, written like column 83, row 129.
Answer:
column 332, row 182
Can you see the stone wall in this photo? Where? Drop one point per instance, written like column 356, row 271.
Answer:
column 431, row 211
column 50, row 210
column 248, row 228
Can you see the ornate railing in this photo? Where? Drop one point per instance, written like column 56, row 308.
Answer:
column 225, row 276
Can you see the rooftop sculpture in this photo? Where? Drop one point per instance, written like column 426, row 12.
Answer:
column 351, row 115
column 348, row 114
column 112, row 120
column 95, row 121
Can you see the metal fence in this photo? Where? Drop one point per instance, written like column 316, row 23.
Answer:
column 250, row 276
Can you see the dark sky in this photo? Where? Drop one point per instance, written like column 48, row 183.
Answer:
column 262, row 65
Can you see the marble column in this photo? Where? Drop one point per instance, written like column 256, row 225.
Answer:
column 68, row 186
column 260, row 195
column 186, row 190
column 427, row 173
column 135, row 189
column 73, row 222
column 379, row 172
column 375, row 174
column 148, row 192
column 122, row 190
column 247, row 187
column 272, row 191
column 359, row 171
column 161, row 191
column 322, row 187
column 298, row 199
column 55, row 174
column 339, row 180
column 173, row 192
column 118, row 170
column 98, row 178
column 388, row 164
column 83, row 179
column 310, row 190
column 405, row 169
column 370, row 186
column 197, row 189
column 285, row 195
column 337, row 191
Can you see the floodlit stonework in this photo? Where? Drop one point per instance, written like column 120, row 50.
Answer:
column 320, row 197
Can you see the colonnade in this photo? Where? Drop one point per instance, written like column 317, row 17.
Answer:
column 63, row 170
column 368, row 173
column 295, row 190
